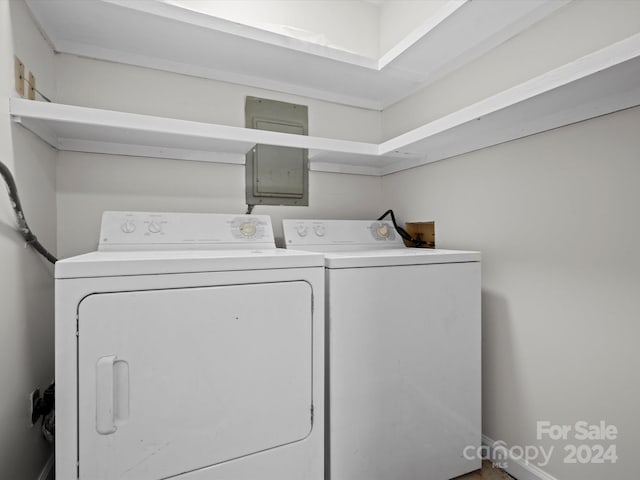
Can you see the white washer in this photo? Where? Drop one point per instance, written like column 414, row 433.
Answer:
column 189, row 347
column 403, row 328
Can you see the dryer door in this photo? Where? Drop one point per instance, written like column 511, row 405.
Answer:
column 172, row 381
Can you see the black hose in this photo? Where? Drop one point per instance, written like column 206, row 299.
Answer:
column 401, row 231
column 23, row 227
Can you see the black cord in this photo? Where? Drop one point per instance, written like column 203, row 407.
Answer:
column 23, row 227
column 401, row 231
column 250, row 209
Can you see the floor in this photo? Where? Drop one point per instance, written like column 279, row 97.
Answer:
column 488, row 472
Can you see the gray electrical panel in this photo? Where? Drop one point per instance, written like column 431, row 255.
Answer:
column 277, row 175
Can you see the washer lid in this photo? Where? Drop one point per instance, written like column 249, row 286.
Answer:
column 397, row 257
column 112, row 264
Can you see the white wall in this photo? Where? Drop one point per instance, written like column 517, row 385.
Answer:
column 100, row 84
column 350, row 25
column 364, row 27
column 398, row 18
column 89, row 184
column 556, row 218
column 554, row 215
column 26, row 283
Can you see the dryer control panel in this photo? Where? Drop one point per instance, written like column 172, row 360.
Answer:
column 184, row 231
column 331, row 235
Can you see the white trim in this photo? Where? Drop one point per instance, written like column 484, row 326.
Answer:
column 47, row 470
column 132, row 150
column 328, row 167
column 516, row 467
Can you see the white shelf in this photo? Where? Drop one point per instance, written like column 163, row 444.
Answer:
column 147, row 33
column 600, row 83
column 81, row 129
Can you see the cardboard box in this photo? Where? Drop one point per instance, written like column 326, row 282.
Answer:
column 425, row 231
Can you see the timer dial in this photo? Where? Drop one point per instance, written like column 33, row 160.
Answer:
column 382, row 231
column 248, row 229
column 128, row 227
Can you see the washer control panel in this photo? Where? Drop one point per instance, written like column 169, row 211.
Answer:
column 157, row 230
column 334, row 234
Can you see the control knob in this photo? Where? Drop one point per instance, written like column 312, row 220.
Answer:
column 248, row 229
column 382, row 230
column 128, row 227
column 154, row 227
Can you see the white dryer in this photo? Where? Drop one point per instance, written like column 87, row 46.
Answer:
column 403, row 329
column 189, row 347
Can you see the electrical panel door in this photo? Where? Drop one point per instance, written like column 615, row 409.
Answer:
column 277, row 175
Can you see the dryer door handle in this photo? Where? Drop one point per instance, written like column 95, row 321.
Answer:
column 112, row 394
column 105, row 395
